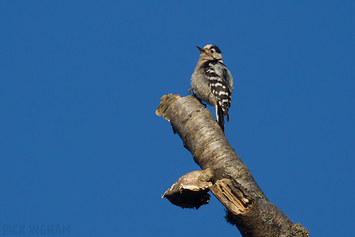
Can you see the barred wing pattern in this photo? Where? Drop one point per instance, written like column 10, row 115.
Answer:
column 220, row 81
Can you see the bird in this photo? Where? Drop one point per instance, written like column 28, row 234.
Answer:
column 212, row 82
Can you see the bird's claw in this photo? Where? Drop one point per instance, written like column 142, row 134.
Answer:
column 193, row 94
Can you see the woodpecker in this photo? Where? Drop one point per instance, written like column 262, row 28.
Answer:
column 212, row 82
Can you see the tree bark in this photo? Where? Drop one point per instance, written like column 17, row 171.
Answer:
column 223, row 173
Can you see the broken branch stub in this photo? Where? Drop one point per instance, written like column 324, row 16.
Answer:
column 189, row 191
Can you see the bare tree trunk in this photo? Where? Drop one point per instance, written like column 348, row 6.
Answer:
column 223, row 173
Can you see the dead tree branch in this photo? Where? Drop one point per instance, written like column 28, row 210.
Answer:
column 223, row 173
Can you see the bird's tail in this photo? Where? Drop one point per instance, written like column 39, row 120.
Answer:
column 219, row 115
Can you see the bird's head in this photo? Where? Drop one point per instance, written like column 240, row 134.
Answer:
column 210, row 52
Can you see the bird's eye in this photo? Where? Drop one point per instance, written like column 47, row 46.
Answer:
column 211, row 50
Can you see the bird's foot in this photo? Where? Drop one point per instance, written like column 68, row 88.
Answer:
column 193, row 94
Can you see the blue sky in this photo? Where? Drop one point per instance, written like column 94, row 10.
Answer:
column 81, row 146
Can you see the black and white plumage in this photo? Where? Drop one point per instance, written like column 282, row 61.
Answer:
column 212, row 82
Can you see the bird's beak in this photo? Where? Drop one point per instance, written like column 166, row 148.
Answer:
column 201, row 50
